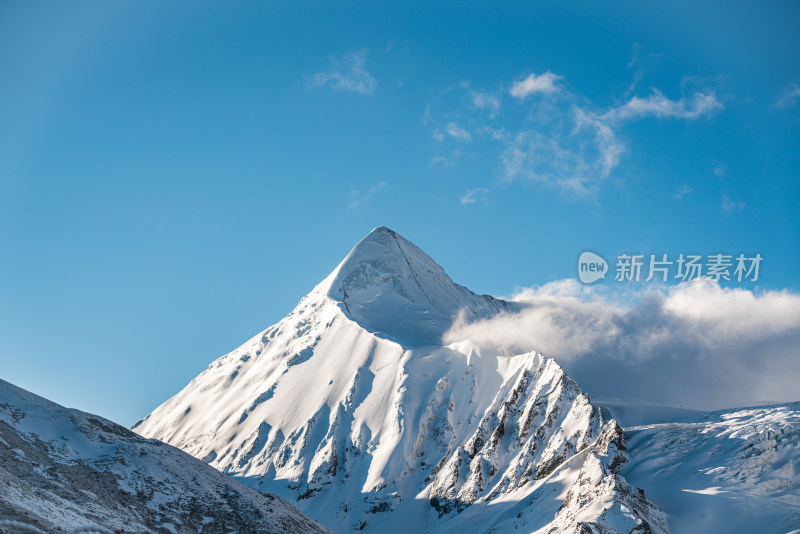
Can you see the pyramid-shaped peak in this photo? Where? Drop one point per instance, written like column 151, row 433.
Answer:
column 391, row 287
column 380, row 233
column 382, row 230
column 386, row 248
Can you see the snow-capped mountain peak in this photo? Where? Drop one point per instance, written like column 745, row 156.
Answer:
column 352, row 407
column 392, row 288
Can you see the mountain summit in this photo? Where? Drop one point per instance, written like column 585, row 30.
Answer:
column 393, row 289
column 352, row 408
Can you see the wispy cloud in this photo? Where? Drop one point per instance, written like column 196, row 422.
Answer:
column 682, row 192
column 543, row 83
column 789, row 97
column 474, row 195
column 562, row 142
column 459, row 132
column 447, row 160
column 574, row 153
column 657, row 105
column 640, row 61
column 720, row 170
column 731, row 205
column 695, row 344
column 348, row 73
column 605, row 140
column 485, row 101
column 359, row 198
column 634, row 64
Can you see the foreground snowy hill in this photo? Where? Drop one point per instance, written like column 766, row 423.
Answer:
column 727, row 471
column 62, row 468
column 352, row 408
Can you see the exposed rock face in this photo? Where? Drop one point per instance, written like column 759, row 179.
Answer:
column 61, row 468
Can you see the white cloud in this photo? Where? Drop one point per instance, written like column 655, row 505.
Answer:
column 485, row 101
column 789, row 97
column 446, row 160
column 610, row 150
column 695, row 344
column 348, row 74
column 563, row 142
column 576, row 148
column 682, row 192
column 426, row 115
column 635, row 64
column 573, row 153
column 731, row 205
column 473, row 195
column 544, row 83
column 657, row 105
column 720, row 170
column 457, row 131
column 358, row 198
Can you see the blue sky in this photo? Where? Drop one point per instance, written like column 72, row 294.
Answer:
column 173, row 178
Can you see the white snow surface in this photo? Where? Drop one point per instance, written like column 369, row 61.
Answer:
column 352, row 408
column 392, row 288
column 61, row 469
column 732, row 471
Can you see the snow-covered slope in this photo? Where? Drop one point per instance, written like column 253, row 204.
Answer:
column 352, row 408
column 61, row 469
column 392, row 288
column 728, row 471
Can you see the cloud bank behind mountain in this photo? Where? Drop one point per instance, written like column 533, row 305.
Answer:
column 695, row 345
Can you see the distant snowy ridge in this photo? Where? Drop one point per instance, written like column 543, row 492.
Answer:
column 353, row 408
column 61, row 469
column 727, row 471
